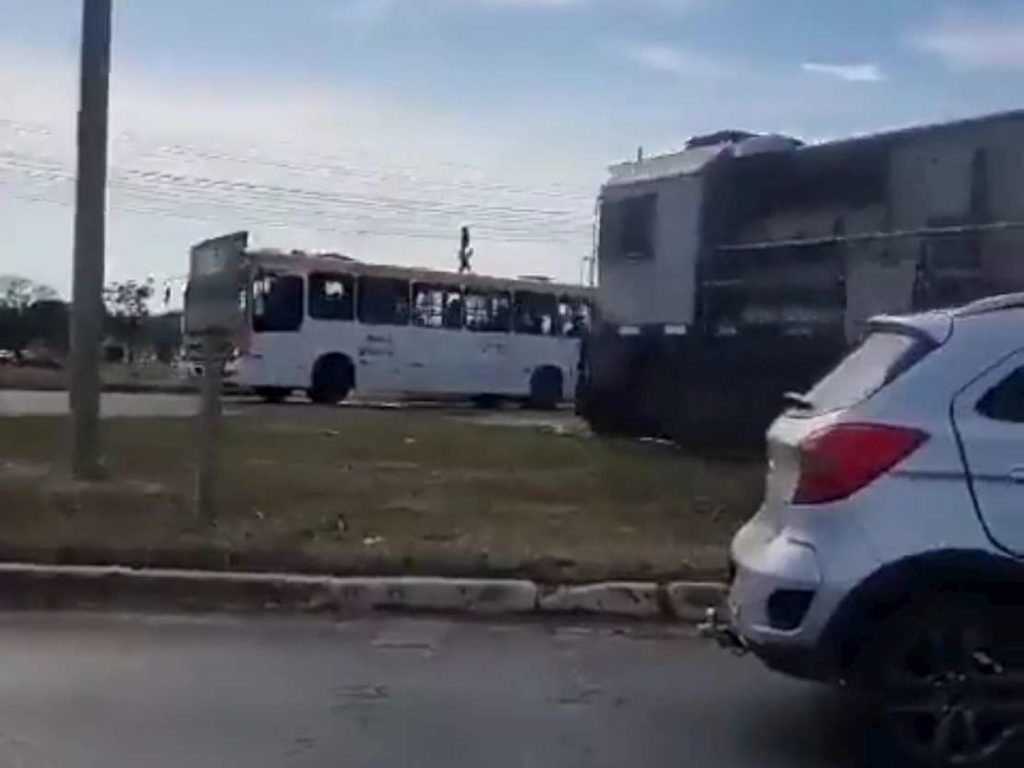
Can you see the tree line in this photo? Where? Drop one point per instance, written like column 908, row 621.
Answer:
column 35, row 321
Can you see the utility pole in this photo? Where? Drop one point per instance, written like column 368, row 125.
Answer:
column 90, row 236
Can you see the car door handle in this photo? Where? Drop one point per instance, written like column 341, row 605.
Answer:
column 1017, row 474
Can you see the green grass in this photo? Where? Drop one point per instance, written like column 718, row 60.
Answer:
column 353, row 491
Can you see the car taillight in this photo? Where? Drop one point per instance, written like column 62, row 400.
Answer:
column 840, row 460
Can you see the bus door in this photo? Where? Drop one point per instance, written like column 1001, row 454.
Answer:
column 382, row 342
column 488, row 318
column 277, row 319
column 438, row 348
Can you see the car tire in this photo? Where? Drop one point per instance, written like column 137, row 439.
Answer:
column 546, row 388
column 946, row 678
column 272, row 395
column 333, row 379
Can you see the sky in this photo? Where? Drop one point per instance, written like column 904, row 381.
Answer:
column 377, row 128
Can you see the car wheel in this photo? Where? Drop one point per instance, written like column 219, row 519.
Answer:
column 333, row 379
column 947, row 677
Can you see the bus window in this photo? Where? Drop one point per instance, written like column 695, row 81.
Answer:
column 535, row 314
column 276, row 303
column 383, row 301
column 331, row 297
column 489, row 312
column 437, row 307
column 574, row 316
column 453, row 304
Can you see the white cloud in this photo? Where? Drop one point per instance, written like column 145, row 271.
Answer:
column 972, row 42
column 852, row 73
column 676, row 61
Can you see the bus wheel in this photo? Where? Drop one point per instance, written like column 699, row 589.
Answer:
column 333, row 379
column 272, row 394
column 546, row 390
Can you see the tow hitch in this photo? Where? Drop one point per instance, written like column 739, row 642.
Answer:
column 721, row 632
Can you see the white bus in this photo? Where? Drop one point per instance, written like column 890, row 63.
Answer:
column 330, row 326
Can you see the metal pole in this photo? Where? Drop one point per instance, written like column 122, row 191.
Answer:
column 90, row 212
column 209, row 427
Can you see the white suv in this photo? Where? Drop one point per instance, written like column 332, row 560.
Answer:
column 888, row 551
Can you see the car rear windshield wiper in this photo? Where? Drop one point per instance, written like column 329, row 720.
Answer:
column 798, row 400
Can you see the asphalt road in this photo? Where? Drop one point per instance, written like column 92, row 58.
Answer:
column 93, row 691
column 120, row 405
column 25, row 403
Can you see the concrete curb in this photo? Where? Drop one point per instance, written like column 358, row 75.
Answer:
column 31, row 586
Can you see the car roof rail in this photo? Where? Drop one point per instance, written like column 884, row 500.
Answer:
column 992, row 304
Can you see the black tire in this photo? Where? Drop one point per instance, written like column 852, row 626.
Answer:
column 272, row 395
column 333, row 379
column 947, row 679
column 546, row 389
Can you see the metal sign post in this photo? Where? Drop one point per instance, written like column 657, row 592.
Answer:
column 209, row 427
column 213, row 312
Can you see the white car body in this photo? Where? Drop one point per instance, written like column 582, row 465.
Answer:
column 887, row 551
column 956, row 500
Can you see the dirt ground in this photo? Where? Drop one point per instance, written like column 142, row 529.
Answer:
column 355, row 491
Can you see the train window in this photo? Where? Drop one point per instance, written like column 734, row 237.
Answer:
column 637, row 226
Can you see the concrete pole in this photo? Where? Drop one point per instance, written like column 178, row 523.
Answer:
column 90, row 213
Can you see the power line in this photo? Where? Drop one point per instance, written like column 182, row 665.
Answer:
column 285, row 201
column 318, row 164
column 167, row 209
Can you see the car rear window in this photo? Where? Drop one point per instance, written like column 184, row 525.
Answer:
column 879, row 359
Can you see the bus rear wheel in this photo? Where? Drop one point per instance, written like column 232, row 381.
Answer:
column 546, row 388
column 333, row 379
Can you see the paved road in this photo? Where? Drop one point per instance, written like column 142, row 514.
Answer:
column 21, row 403
column 91, row 691
column 25, row 403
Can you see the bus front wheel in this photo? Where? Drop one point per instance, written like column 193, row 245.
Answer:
column 333, row 379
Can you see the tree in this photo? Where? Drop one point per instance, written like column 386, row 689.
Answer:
column 49, row 321
column 20, row 293
column 128, row 307
column 163, row 333
column 18, row 318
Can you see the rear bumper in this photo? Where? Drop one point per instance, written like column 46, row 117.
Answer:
column 822, row 561
column 768, row 561
column 793, row 661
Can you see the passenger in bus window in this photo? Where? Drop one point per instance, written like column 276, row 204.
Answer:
column 453, row 311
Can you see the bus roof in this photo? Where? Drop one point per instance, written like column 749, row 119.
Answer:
column 300, row 261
